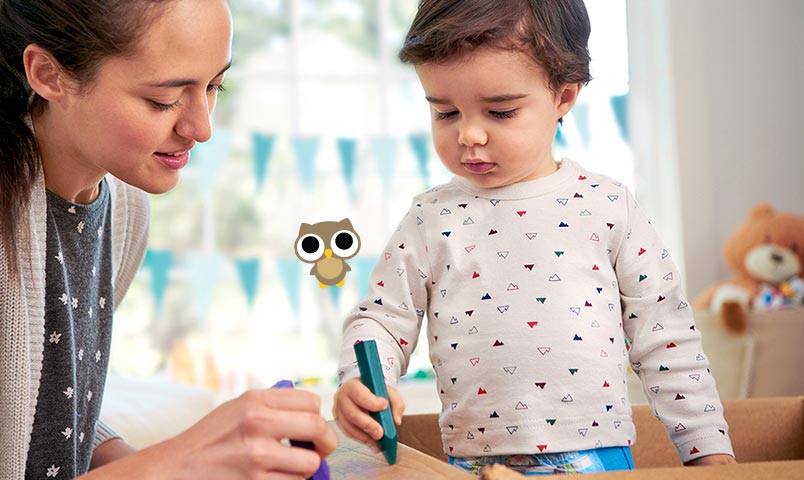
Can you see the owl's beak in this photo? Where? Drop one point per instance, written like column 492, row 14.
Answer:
column 328, row 253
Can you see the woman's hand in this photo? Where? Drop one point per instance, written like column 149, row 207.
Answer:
column 241, row 439
column 350, row 408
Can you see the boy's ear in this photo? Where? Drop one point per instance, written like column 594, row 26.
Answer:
column 566, row 98
column 44, row 73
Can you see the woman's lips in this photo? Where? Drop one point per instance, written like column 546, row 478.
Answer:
column 174, row 161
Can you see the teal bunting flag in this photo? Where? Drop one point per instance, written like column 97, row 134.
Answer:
column 289, row 274
column 209, row 156
column 347, row 149
column 204, row 273
column 560, row 141
column 362, row 267
column 263, row 146
column 580, row 113
column 305, row 149
column 383, row 147
column 248, row 269
column 420, row 143
column 159, row 262
column 335, row 294
column 619, row 104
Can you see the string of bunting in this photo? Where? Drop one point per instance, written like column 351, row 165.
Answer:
column 385, row 150
column 205, row 271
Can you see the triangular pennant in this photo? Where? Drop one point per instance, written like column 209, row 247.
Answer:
column 204, row 273
column 159, row 263
column 580, row 113
column 362, row 267
column 305, row 149
column 347, row 149
column 559, row 140
column 419, row 143
column 383, row 148
column 619, row 105
column 289, row 274
column 248, row 270
column 209, row 156
column 262, row 146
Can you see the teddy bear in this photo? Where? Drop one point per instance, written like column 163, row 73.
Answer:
column 766, row 255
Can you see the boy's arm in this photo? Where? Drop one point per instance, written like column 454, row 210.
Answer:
column 392, row 312
column 666, row 348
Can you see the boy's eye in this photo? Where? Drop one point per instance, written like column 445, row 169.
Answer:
column 445, row 115
column 504, row 114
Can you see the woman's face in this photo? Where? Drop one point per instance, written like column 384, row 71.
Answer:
column 143, row 113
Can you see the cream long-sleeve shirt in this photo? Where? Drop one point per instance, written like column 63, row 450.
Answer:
column 22, row 315
column 533, row 295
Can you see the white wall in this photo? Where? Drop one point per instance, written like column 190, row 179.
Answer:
column 728, row 116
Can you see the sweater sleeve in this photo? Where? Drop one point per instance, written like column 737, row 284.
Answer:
column 392, row 312
column 665, row 346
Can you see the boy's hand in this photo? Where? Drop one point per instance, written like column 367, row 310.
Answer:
column 719, row 459
column 350, row 408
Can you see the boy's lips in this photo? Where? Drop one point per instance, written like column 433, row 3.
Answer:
column 478, row 167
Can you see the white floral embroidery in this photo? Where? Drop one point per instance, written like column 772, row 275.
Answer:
column 68, row 392
column 68, row 432
column 80, row 227
column 55, row 337
column 53, row 471
column 102, row 302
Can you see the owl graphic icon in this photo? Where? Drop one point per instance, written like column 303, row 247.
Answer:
column 327, row 245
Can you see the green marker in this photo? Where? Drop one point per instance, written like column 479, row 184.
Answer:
column 368, row 361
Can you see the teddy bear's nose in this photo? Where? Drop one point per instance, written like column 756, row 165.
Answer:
column 776, row 257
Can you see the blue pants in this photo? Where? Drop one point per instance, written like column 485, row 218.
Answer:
column 584, row 461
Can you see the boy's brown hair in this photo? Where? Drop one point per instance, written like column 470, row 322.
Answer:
column 555, row 33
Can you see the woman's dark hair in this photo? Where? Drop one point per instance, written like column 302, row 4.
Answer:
column 555, row 33
column 79, row 34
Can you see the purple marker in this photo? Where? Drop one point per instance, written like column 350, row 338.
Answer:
column 323, row 471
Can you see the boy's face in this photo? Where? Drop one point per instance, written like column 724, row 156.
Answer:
column 493, row 115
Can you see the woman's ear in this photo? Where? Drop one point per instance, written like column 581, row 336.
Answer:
column 567, row 95
column 44, row 73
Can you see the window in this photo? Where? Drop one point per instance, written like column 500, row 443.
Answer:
column 320, row 121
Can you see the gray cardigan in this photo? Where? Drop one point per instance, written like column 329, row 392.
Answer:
column 22, row 314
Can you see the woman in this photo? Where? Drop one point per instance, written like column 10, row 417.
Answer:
column 102, row 99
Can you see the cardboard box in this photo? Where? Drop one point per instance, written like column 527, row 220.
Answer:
column 767, row 434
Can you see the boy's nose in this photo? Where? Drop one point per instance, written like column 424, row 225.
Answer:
column 470, row 135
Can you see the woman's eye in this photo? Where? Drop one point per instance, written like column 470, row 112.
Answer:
column 164, row 106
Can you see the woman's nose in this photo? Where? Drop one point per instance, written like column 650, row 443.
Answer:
column 195, row 122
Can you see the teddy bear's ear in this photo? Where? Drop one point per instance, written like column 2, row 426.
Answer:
column 762, row 210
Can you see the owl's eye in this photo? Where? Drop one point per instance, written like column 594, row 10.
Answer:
column 309, row 247
column 345, row 243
